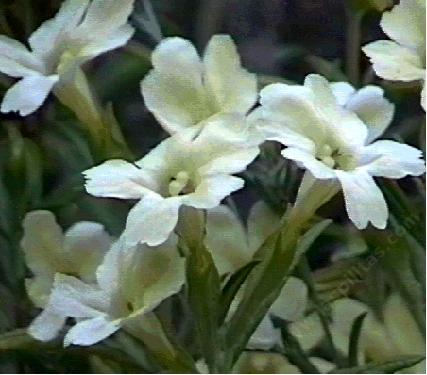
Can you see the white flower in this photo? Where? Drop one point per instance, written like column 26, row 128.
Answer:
column 48, row 250
column 327, row 130
column 403, row 58
column 131, row 282
column 191, row 168
column 182, row 90
column 80, row 31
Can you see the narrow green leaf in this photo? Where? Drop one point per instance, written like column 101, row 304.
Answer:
column 280, row 253
column 232, row 286
column 353, row 347
column 389, row 367
column 204, row 294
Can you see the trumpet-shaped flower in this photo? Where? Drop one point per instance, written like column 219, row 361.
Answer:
column 130, row 283
column 182, row 90
column 328, row 129
column 80, row 31
column 48, row 250
column 403, row 57
column 193, row 168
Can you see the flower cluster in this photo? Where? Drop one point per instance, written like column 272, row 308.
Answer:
column 209, row 106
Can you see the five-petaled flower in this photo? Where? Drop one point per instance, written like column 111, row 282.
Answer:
column 130, row 283
column 328, row 129
column 49, row 251
column 182, row 90
column 192, row 168
column 403, row 58
column 80, row 31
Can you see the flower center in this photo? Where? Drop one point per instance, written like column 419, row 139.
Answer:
column 334, row 158
column 180, row 184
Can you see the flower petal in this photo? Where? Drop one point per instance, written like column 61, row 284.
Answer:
column 344, row 311
column 265, row 336
column 343, row 91
column 292, row 301
column 27, row 95
column 108, row 272
column 85, row 244
column 262, row 222
column 343, row 124
column 116, row 39
column 16, row 60
column 393, row 159
column 212, row 190
column 226, row 239
column 402, row 327
column 406, row 23
column 290, row 109
column 90, row 331
column 364, row 200
column 308, row 161
column 117, row 179
column 173, row 90
column 373, row 109
column 47, row 325
column 47, row 38
column 103, row 18
column 394, row 62
column 42, row 242
column 152, row 219
column 231, row 162
column 234, row 89
column 149, row 275
column 73, row 298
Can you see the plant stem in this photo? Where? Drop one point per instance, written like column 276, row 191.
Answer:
column 307, row 277
column 353, row 42
column 106, row 138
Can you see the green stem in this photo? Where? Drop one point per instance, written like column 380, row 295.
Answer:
column 106, row 137
column 353, row 42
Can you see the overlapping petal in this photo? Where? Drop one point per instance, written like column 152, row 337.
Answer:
column 395, row 62
column 232, row 87
column 364, row 201
column 28, row 94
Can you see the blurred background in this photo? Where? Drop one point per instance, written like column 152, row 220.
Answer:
column 42, row 156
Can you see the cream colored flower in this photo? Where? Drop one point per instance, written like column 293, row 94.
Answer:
column 130, row 283
column 48, row 251
column 182, row 90
column 403, row 57
column 328, row 129
column 80, row 31
column 193, row 168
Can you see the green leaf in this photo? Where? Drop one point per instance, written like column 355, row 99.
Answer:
column 232, row 286
column 280, row 253
column 353, row 347
column 204, row 295
column 389, row 367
